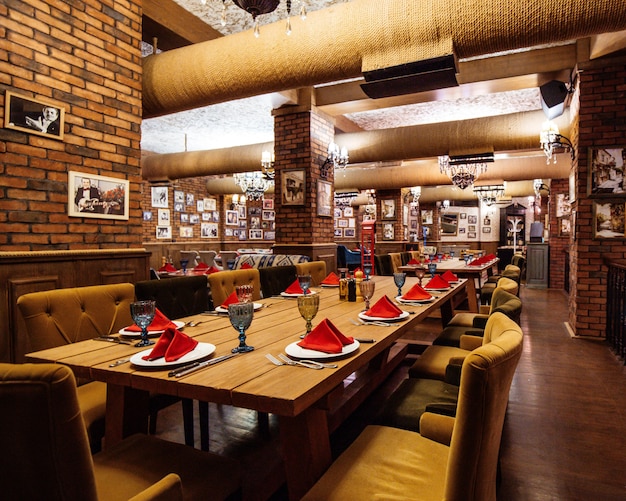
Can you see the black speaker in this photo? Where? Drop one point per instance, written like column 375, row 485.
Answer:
column 553, row 95
column 536, row 232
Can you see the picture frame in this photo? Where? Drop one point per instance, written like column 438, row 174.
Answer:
column 186, row 232
column 388, row 231
column 159, row 197
column 349, row 233
column 608, row 220
column 194, row 218
column 388, row 208
column 163, row 232
column 241, row 210
column 563, row 207
column 209, row 230
column 338, row 233
column 293, row 186
column 472, row 219
column 209, row 204
column 164, row 217
column 449, row 225
column 342, row 223
column 269, row 215
column 268, row 204
column 269, row 235
column 324, row 198
column 102, row 197
column 348, row 212
column 565, row 227
column 255, row 234
column 147, row 215
column 232, row 218
column 200, row 205
column 486, row 229
column 471, row 234
column 427, row 217
column 184, row 217
column 463, row 215
column 34, row 116
column 606, row 171
column 337, row 212
column 190, row 199
column 179, row 197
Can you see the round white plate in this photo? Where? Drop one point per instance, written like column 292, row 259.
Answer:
column 221, row 309
column 287, row 294
column 329, row 285
column 412, row 301
column 367, row 318
column 127, row 333
column 437, row 290
column 202, row 350
column 293, row 350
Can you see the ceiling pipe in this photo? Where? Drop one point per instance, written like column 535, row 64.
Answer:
column 345, row 40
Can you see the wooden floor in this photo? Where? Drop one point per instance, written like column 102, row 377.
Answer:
column 564, row 437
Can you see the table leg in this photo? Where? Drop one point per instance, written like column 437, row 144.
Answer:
column 126, row 413
column 305, row 443
column 472, row 300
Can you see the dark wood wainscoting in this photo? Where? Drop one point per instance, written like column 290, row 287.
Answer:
column 24, row 272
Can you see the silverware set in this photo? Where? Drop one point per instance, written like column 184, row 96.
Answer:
column 195, row 366
column 309, row 364
column 374, row 322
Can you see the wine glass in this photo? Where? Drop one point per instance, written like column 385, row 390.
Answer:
column 466, row 258
column 305, row 283
column 399, row 279
column 367, row 291
column 420, row 271
column 143, row 315
column 244, row 293
column 240, row 315
column 308, row 306
column 183, row 265
column 432, row 269
column 367, row 269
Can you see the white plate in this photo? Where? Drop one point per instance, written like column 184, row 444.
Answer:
column 367, row 318
column 437, row 290
column 221, row 309
column 293, row 350
column 127, row 333
column 287, row 294
column 413, row 301
column 202, row 350
column 329, row 285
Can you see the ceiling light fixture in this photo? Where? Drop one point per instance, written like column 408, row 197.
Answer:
column 463, row 170
column 253, row 184
column 489, row 194
column 259, row 7
column 337, row 159
column 551, row 141
column 267, row 164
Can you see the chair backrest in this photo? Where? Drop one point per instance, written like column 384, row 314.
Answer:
column 228, row 258
column 223, row 283
column 275, row 279
column 346, row 257
column 383, row 265
column 507, row 303
column 62, row 316
column 396, row 261
column 486, row 378
column 192, row 256
column 508, row 284
column 208, row 257
column 176, row 297
column 317, row 270
column 406, row 257
column 45, row 451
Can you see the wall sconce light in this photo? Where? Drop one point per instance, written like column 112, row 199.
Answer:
column 553, row 142
column 267, row 164
column 337, row 159
column 237, row 200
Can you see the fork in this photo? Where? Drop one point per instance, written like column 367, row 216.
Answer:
column 289, row 361
column 193, row 323
column 275, row 361
column 375, row 322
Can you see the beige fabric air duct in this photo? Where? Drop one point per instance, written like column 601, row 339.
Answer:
column 344, row 40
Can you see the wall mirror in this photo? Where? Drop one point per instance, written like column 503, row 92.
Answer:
column 449, row 224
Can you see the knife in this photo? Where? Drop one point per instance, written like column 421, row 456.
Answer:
column 111, row 339
column 188, row 369
column 361, row 340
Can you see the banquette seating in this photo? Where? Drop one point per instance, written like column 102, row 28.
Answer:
column 453, row 458
column 510, row 283
column 63, row 316
column 46, row 452
column 275, row 279
column 396, row 261
column 347, row 258
column 382, row 264
column 265, row 260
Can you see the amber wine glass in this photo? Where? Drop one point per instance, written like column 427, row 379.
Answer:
column 308, row 306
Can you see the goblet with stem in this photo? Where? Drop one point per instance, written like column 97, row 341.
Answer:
column 420, row 271
column 367, row 291
column 367, row 269
column 305, row 283
column 308, row 306
column 466, row 258
column 183, row 265
column 432, row 269
column 240, row 315
column 143, row 315
column 399, row 279
column 244, row 293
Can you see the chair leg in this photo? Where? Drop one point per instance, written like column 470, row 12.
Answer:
column 188, row 421
column 204, row 425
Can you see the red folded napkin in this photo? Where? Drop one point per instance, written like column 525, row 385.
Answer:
column 294, row 288
column 448, row 276
column 160, row 323
column 384, row 308
column 325, row 337
column 172, row 345
column 477, row 262
column 201, row 267
column 169, row 268
column 416, row 293
column 331, row 279
column 232, row 299
column 210, row 270
column 413, row 261
column 437, row 283
column 246, row 266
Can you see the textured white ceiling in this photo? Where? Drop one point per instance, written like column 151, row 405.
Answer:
column 249, row 121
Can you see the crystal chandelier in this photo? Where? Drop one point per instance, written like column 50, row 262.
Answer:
column 337, row 159
column 489, row 194
column 551, row 140
column 267, row 164
column 253, row 184
column 463, row 170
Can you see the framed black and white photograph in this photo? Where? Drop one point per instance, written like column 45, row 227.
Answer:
column 147, row 215
column 207, row 216
column 200, row 205
column 337, row 212
column 472, row 219
column 388, row 208
column 608, row 220
column 486, row 229
column 35, row 116
column 194, row 218
column 215, row 216
column 190, row 199
column 388, row 232
column 232, row 218
column 269, row 215
column 338, row 233
column 241, row 212
column 95, row 196
column 293, row 186
column 179, row 207
column 179, row 197
column 209, row 230
column 163, row 232
column 342, row 223
column 185, row 232
column 255, row 211
column 463, row 215
column 184, row 217
column 606, row 171
column 255, row 223
column 427, row 217
column 164, row 217
column 324, row 198
column 471, row 234
column 349, row 233
column 348, row 212
column 255, row 234
column 269, row 235
column 563, row 207
column 159, row 197
column 210, row 204
column 565, row 227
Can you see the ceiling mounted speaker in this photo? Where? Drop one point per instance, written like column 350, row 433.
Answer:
column 553, row 96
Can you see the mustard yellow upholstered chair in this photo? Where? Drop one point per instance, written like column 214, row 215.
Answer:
column 62, row 316
column 510, row 282
column 223, row 283
column 452, row 458
column 317, row 270
column 46, row 454
column 434, row 361
column 396, row 261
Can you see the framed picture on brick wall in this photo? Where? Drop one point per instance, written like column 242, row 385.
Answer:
column 608, row 220
column 293, row 186
column 606, row 171
column 35, row 116
column 102, row 197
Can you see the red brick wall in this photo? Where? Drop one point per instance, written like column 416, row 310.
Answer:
column 559, row 244
column 602, row 122
column 85, row 56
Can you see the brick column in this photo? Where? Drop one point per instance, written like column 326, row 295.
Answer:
column 301, row 138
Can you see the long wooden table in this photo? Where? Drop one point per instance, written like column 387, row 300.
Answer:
column 303, row 399
column 475, row 275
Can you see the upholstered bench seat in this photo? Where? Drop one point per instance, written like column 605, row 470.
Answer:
column 265, row 260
